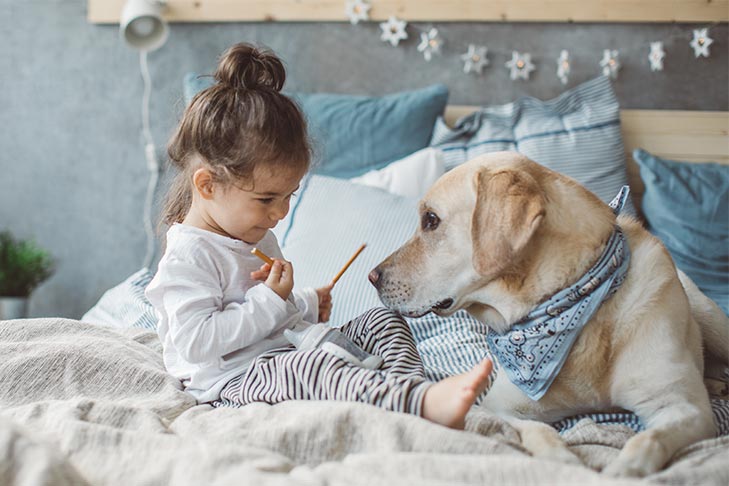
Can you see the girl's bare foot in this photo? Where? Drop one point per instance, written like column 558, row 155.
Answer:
column 448, row 401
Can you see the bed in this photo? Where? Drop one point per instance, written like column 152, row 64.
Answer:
column 89, row 402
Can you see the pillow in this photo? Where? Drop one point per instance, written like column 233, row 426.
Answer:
column 331, row 219
column 125, row 305
column 409, row 177
column 356, row 134
column 577, row 134
column 687, row 206
column 450, row 345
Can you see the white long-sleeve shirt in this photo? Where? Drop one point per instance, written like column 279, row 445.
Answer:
column 213, row 318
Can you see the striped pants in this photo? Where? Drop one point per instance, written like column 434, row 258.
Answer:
column 287, row 374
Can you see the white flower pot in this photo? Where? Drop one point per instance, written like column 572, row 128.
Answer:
column 13, row 308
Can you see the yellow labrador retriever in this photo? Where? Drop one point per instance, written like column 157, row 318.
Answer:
column 586, row 311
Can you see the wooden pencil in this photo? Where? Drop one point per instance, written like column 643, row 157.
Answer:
column 346, row 266
column 262, row 256
column 268, row 260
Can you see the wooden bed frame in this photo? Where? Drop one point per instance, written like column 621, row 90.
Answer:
column 691, row 136
column 108, row 11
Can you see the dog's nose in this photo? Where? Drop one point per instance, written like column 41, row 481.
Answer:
column 374, row 277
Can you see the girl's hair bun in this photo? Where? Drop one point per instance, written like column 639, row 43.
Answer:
column 244, row 66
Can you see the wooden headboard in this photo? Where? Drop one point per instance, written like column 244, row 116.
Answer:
column 692, row 136
column 107, row 11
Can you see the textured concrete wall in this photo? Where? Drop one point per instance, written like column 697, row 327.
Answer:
column 73, row 174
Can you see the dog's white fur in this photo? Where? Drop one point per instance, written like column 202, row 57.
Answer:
column 509, row 234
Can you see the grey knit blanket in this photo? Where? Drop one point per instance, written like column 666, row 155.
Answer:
column 84, row 404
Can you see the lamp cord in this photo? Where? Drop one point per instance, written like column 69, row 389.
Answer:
column 153, row 166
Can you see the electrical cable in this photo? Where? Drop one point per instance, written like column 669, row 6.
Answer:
column 153, row 166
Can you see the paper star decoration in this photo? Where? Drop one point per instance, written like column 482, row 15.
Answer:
column 430, row 43
column 475, row 59
column 393, row 31
column 358, row 10
column 656, row 56
column 701, row 42
column 610, row 63
column 563, row 66
column 520, row 65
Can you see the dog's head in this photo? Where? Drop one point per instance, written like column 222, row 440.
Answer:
column 481, row 224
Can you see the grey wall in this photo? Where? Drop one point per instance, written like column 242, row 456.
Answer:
column 73, row 174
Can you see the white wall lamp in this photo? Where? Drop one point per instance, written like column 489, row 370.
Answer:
column 142, row 27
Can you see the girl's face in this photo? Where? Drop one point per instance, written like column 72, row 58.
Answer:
column 247, row 212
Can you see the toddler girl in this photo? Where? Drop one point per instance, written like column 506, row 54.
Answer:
column 242, row 150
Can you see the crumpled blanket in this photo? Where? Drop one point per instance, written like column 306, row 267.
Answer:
column 83, row 404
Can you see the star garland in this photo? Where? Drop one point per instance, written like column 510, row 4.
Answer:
column 656, row 56
column 475, row 59
column 357, row 10
column 520, row 66
column 563, row 66
column 393, row 31
column 701, row 42
column 610, row 63
column 430, row 43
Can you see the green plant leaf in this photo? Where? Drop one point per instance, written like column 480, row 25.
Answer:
column 23, row 266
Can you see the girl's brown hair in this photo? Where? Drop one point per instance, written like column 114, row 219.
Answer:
column 243, row 120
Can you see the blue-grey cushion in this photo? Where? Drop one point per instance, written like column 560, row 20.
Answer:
column 576, row 134
column 687, row 206
column 355, row 134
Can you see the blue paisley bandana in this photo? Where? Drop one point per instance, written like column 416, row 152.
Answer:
column 533, row 351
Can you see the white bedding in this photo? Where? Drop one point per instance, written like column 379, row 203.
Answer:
column 84, row 404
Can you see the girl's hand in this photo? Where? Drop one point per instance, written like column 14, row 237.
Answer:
column 325, row 302
column 262, row 273
column 280, row 278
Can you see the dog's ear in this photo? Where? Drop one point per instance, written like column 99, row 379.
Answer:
column 509, row 208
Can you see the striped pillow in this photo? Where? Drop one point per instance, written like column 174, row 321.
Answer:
column 328, row 221
column 576, row 134
column 125, row 305
column 450, row 345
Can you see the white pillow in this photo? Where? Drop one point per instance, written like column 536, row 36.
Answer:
column 408, row 177
column 330, row 219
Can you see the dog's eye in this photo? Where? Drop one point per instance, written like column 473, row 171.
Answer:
column 430, row 221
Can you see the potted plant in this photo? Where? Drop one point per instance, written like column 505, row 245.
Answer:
column 23, row 266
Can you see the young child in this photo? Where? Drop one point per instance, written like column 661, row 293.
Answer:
column 242, row 150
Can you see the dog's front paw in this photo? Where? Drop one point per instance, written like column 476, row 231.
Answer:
column 628, row 467
column 560, row 454
column 642, row 455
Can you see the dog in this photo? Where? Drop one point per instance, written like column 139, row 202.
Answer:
column 499, row 237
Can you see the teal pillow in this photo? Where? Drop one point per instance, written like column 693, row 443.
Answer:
column 687, row 206
column 355, row 134
column 193, row 83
